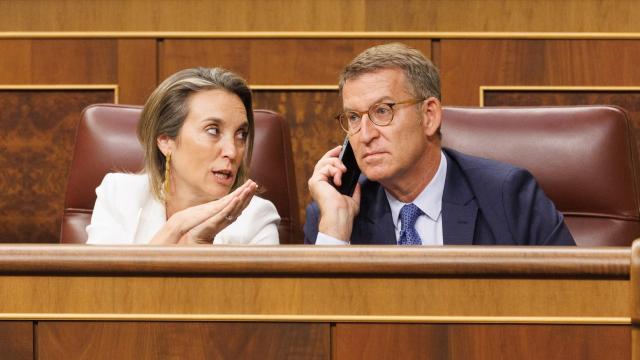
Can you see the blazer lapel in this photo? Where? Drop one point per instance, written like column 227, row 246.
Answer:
column 459, row 208
column 152, row 217
column 375, row 225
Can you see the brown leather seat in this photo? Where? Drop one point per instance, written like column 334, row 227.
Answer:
column 106, row 142
column 584, row 157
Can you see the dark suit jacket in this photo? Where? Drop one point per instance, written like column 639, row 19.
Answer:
column 485, row 202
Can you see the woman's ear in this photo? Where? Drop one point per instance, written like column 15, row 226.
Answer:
column 165, row 144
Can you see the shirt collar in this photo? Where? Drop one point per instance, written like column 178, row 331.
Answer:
column 429, row 200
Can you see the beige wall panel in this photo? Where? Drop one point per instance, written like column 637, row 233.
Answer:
column 271, row 61
column 326, row 15
column 468, row 64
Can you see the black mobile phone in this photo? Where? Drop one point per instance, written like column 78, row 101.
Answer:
column 349, row 178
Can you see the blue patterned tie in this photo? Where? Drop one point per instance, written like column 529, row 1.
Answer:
column 408, row 234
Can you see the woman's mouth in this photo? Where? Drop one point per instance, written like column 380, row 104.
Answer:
column 224, row 177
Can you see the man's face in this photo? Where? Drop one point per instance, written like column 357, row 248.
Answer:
column 389, row 154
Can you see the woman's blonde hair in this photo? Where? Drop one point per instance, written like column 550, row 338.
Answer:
column 167, row 108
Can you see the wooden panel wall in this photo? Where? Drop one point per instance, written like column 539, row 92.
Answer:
column 129, row 63
column 38, row 128
column 182, row 340
column 467, row 64
column 481, row 341
column 16, row 340
column 279, row 66
column 39, row 121
column 313, row 15
column 272, row 61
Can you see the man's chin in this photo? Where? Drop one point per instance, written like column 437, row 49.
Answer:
column 375, row 174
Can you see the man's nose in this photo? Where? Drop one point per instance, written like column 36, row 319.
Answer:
column 368, row 130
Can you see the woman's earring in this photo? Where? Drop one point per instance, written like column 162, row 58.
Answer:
column 167, row 175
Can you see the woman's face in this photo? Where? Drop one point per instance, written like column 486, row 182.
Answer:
column 209, row 148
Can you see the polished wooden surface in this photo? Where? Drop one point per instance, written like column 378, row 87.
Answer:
column 322, row 302
column 180, row 340
column 39, row 127
column 129, row 63
column 16, row 340
column 137, row 69
column 394, row 261
column 312, row 127
column 481, row 341
column 307, row 61
column 365, row 283
column 468, row 64
column 310, row 15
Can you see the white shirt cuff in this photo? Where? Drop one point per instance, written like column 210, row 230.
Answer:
column 324, row 239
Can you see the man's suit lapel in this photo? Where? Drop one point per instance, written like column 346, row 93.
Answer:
column 459, row 209
column 375, row 226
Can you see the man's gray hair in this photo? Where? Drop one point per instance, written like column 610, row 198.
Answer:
column 421, row 74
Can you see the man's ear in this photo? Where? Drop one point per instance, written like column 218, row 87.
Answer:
column 165, row 144
column 432, row 115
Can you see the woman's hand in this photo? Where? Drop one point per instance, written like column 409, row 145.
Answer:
column 199, row 224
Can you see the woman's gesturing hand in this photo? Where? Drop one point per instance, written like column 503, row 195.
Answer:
column 200, row 224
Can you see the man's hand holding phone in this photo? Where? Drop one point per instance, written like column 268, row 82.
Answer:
column 337, row 210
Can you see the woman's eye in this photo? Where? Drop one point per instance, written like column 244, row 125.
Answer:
column 213, row 131
column 242, row 134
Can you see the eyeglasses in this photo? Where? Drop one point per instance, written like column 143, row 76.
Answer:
column 380, row 114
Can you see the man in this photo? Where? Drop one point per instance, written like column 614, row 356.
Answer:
column 414, row 192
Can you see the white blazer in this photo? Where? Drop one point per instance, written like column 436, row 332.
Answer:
column 126, row 212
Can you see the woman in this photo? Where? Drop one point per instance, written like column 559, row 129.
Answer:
column 197, row 132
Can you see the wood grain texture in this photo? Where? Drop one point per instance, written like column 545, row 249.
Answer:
column 468, row 64
column 466, row 341
column 272, row 61
column 16, row 340
column 171, row 340
column 58, row 61
column 130, row 63
column 327, row 15
column 278, row 298
column 137, row 69
column 312, row 127
column 39, row 128
column 635, row 343
column 478, row 261
column 309, row 281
